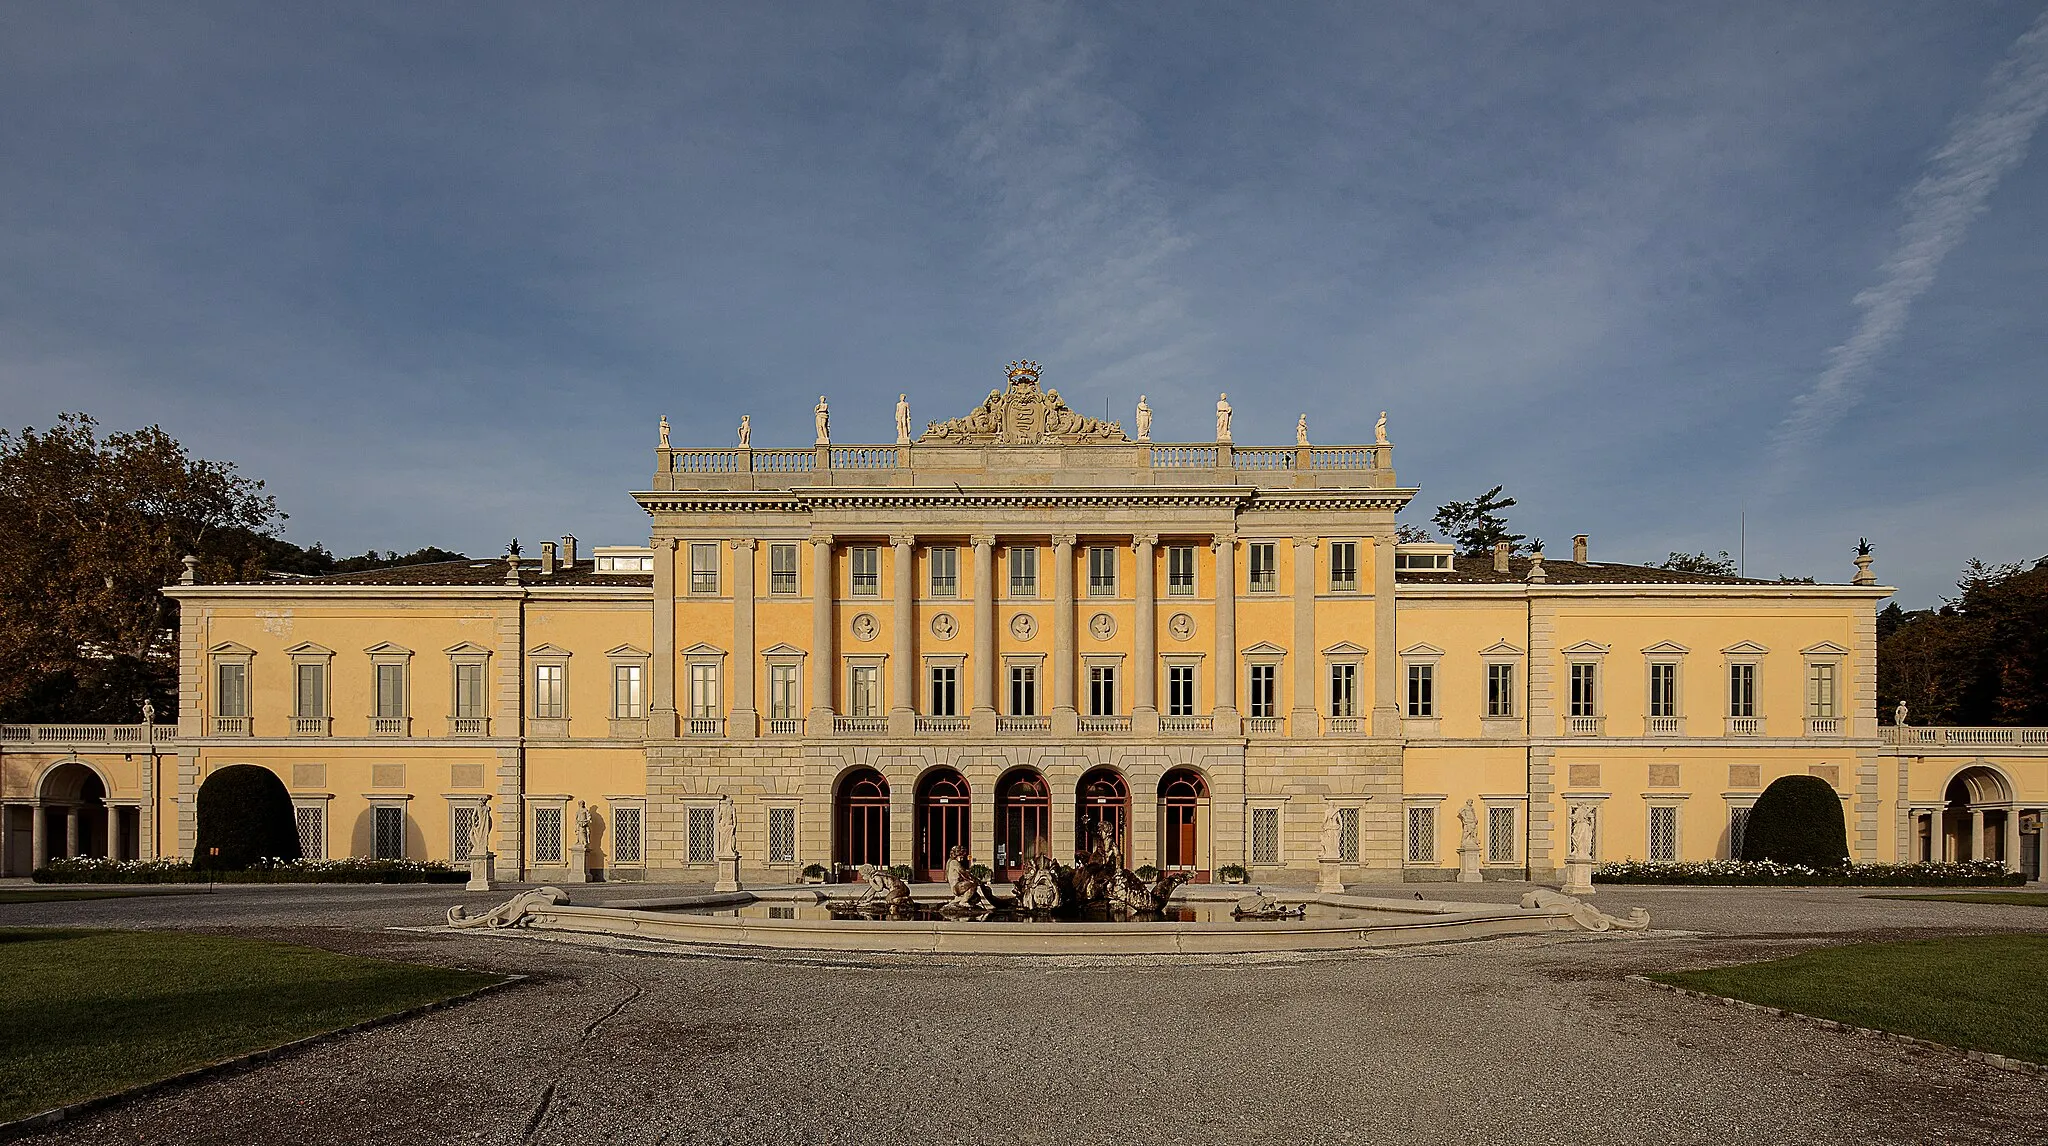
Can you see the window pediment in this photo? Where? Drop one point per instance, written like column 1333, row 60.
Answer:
column 1666, row 649
column 387, row 649
column 701, row 649
column 1345, row 649
column 785, row 649
column 1500, row 648
column 309, row 649
column 1745, row 649
column 231, row 649
column 627, row 651
column 1264, row 650
column 467, row 649
column 547, row 651
column 1825, row 649
column 1422, row 649
column 1587, row 649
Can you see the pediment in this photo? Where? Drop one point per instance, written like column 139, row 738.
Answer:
column 309, row 649
column 1500, row 648
column 467, row 649
column 700, row 649
column 627, row 651
column 1666, row 649
column 1587, row 649
column 1745, row 649
column 1264, row 649
column 549, row 650
column 1825, row 649
column 784, row 649
column 1345, row 649
column 232, row 649
column 1422, row 649
column 1021, row 415
column 387, row 649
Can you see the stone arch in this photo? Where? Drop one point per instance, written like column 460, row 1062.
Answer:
column 1102, row 793
column 943, row 807
column 860, row 819
column 1977, row 820
column 71, row 811
column 1023, row 818
column 1977, row 784
column 1184, row 821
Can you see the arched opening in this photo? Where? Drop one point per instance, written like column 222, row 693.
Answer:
column 1978, row 820
column 1184, row 823
column 860, row 822
column 942, row 813
column 72, row 813
column 1102, row 801
column 1023, row 821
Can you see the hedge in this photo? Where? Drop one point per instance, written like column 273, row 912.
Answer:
column 90, row 869
column 1797, row 820
column 1976, row 873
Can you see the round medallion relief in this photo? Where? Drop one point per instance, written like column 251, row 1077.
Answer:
column 1023, row 627
column 1181, row 626
column 943, row 626
column 1102, row 626
column 864, row 627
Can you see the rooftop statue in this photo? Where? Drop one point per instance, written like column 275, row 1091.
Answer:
column 823, row 415
column 1222, row 417
column 1144, row 421
column 1301, row 431
column 664, row 431
column 1020, row 415
column 1379, row 430
column 746, row 431
column 903, row 419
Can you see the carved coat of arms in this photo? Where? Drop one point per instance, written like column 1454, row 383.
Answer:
column 1022, row 415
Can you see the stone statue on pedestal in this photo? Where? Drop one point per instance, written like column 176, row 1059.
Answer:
column 664, row 431
column 1581, row 838
column 1301, row 431
column 1899, row 715
column 1468, row 826
column 1379, row 430
column 148, row 713
column 728, row 829
column 1222, row 417
column 582, row 826
column 902, row 419
column 822, row 413
column 1333, row 833
column 1144, row 420
column 746, row 432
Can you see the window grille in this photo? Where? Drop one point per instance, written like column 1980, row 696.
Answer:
column 1585, row 681
column 1265, row 571
column 1738, row 827
column 463, row 842
column 703, row 833
column 1500, row 835
column 1347, row 834
column 1500, row 690
column 627, row 697
column 1024, row 572
column 469, row 691
column 1101, row 571
column 312, row 822
column 1421, row 833
column 782, row 835
column 233, row 698
column 626, row 833
column 1180, row 690
column 1663, row 832
column 1344, row 690
column 943, row 563
column 1265, row 836
column 550, row 694
column 1422, row 691
column 1265, row 691
column 1023, row 690
column 1742, row 690
column 1343, row 566
column 1180, row 570
column 945, row 689
column 547, row 835
column 389, row 824
column 1820, row 691
column 865, row 562
column 782, row 576
column 390, row 691
column 1102, row 690
column 704, row 568
column 1664, row 690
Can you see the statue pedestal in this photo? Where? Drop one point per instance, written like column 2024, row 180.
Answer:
column 1578, row 877
column 479, row 873
column 728, row 874
column 1332, row 879
column 579, row 864
column 1468, row 864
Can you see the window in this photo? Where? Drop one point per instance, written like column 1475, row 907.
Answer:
column 1500, row 835
column 1820, row 691
column 1422, row 691
column 231, row 698
column 1347, row 834
column 390, row 691
column 1664, row 690
column 1023, row 690
column 782, row 579
column 1343, row 566
column 1500, row 691
column 1180, row 690
column 943, row 563
column 312, row 823
column 1265, row 691
column 1738, row 827
column 1265, row 568
column 627, row 834
column 1663, row 832
column 703, row 834
column 1344, row 689
column 1585, row 691
column 550, row 692
column 704, row 568
column 469, row 691
column 1742, row 690
column 864, row 691
column 628, row 700
column 704, row 690
column 464, row 823
column 1265, row 836
column 388, row 823
column 785, row 702
column 547, row 835
column 310, row 701
column 1102, row 690
column 865, row 561
column 1421, row 833
column 1101, row 571
column 945, row 689
column 1433, row 562
column 1024, row 572
column 1180, row 570
column 781, row 835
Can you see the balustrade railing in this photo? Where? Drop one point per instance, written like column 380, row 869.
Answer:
column 1583, row 725
column 785, row 726
column 1665, row 726
column 1823, row 726
column 469, row 725
column 232, row 726
column 388, row 725
column 1183, row 457
column 704, row 726
column 1023, row 724
column 863, row 457
column 1186, row 725
column 1344, row 458
column 1987, row 736
column 309, row 726
column 1745, row 726
column 1262, row 458
column 1105, row 724
column 1264, row 725
column 925, row 723
column 785, row 461
column 860, row 725
column 1348, row 725
column 85, row 733
column 704, row 461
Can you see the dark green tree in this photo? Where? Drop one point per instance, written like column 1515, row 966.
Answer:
column 1798, row 819
column 1979, row 658
column 245, row 815
column 1476, row 526
column 1699, row 562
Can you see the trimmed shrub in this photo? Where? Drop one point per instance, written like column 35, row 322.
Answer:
column 1798, row 820
column 245, row 815
column 1727, row 873
column 92, row 869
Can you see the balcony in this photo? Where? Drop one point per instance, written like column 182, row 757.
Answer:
column 946, row 725
column 1346, row 725
column 469, row 726
column 1584, row 725
column 389, row 725
column 118, row 735
column 1977, row 736
column 785, row 726
column 1023, row 725
column 1265, row 725
column 1745, row 726
column 1102, row 724
column 1824, row 726
column 1187, row 725
column 860, row 725
column 1664, row 726
column 704, row 726
column 309, row 725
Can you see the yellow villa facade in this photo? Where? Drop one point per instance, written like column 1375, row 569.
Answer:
column 1002, row 632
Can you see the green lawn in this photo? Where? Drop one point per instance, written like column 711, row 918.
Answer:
column 1983, row 992
column 2020, row 898
column 88, row 1013
column 24, row 895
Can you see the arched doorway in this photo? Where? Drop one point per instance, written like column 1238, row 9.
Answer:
column 1023, row 821
column 860, row 822
column 71, row 813
column 942, row 813
column 1184, row 823
column 1102, row 797
column 1978, row 821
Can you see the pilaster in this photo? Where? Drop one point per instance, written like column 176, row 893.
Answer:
column 744, row 723
column 1386, row 680
column 1225, row 708
column 819, row 722
column 982, row 717
column 1065, row 719
column 661, row 674
column 903, row 628
column 1145, row 697
column 1303, row 721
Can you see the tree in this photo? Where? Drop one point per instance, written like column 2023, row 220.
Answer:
column 1798, row 819
column 1979, row 658
column 1476, row 526
column 1407, row 534
column 245, row 815
column 1699, row 563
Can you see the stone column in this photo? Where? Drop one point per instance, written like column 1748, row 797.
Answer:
column 1386, row 680
column 1302, row 719
column 1145, row 700
column 745, row 722
column 38, row 838
column 820, row 660
column 1225, row 708
column 1065, row 721
column 1976, row 833
column 903, row 627
column 71, row 826
column 2012, row 838
column 982, row 717
column 661, row 674
column 113, row 850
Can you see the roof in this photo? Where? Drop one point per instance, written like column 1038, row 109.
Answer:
column 487, row 571
column 1480, row 571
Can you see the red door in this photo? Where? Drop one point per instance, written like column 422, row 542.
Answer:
column 942, row 812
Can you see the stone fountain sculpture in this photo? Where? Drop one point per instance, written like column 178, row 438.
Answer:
column 1037, row 891
column 511, row 913
column 970, row 895
column 885, row 891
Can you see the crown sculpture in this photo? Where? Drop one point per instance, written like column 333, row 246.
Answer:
column 1022, row 415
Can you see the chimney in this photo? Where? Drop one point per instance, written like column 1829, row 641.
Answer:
column 1501, row 549
column 1579, row 548
column 547, row 558
column 569, row 551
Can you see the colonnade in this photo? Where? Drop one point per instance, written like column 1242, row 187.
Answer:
column 1934, row 821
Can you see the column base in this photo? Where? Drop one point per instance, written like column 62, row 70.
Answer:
column 1304, row 724
column 1386, row 722
column 1578, row 877
column 662, row 723
column 743, row 724
column 1145, row 721
column 1066, row 722
column 982, row 722
column 902, row 722
column 818, row 723
column 728, row 874
column 1227, row 722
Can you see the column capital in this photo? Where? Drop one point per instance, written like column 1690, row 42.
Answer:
column 1305, row 540
column 1145, row 539
column 983, row 539
column 821, row 539
column 669, row 543
column 1223, row 541
column 1066, row 539
column 747, row 543
column 903, row 540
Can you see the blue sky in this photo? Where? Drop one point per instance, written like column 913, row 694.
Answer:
column 434, row 271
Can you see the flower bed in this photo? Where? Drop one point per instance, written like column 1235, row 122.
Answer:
column 91, row 869
column 1976, row 873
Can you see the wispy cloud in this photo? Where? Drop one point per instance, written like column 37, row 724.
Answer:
column 1981, row 148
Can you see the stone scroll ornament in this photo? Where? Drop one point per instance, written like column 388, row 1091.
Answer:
column 1021, row 415
column 1585, row 914
column 514, row 912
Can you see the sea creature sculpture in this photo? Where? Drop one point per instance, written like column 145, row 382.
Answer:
column 511, row 913
column 1585, row 914
column 1037, row 889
